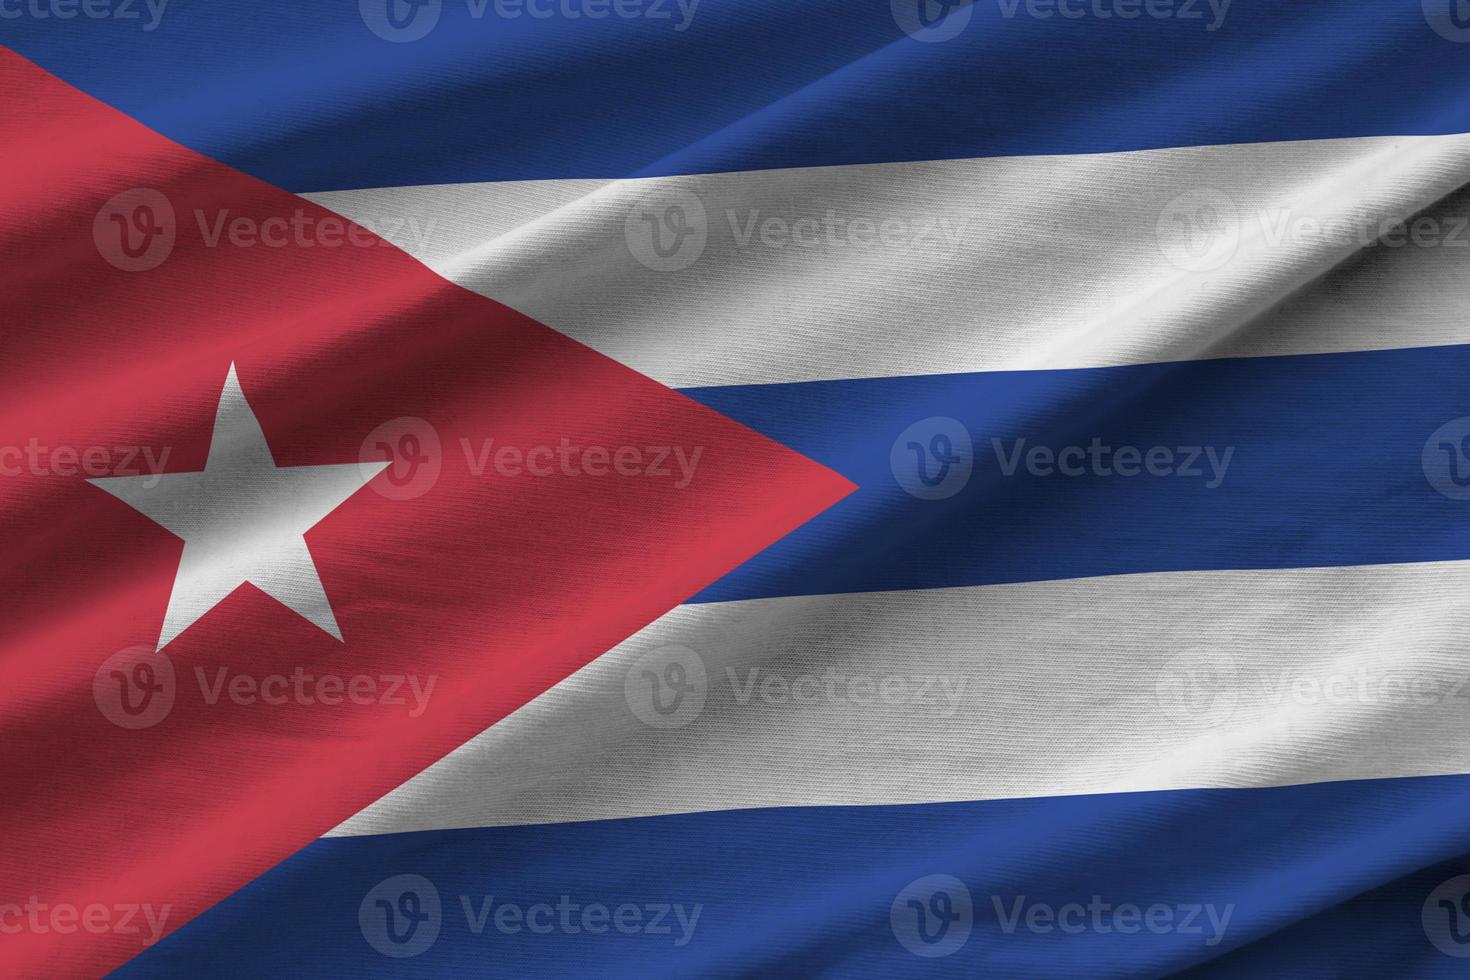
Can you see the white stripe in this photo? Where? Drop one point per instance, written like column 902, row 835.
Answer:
column 1141, row 682
column 1026, row 262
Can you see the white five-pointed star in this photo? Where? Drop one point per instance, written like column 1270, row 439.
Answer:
column 243, row 519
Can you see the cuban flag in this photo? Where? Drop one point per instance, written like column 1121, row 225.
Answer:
column 714, row 488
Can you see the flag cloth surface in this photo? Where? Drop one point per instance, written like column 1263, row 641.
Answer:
column 680, row 488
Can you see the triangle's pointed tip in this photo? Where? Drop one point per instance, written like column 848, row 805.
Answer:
column 326, row 621
column 318, row 613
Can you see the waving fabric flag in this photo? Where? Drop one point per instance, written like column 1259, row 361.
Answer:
column 734, row 488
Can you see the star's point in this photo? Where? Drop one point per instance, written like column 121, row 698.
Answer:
column 243, row 519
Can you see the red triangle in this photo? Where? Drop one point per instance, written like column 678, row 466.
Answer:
column 495, row 585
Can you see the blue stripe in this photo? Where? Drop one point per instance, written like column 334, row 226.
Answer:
column 1326, row 470
column 306, row 97
column 1324, row 880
